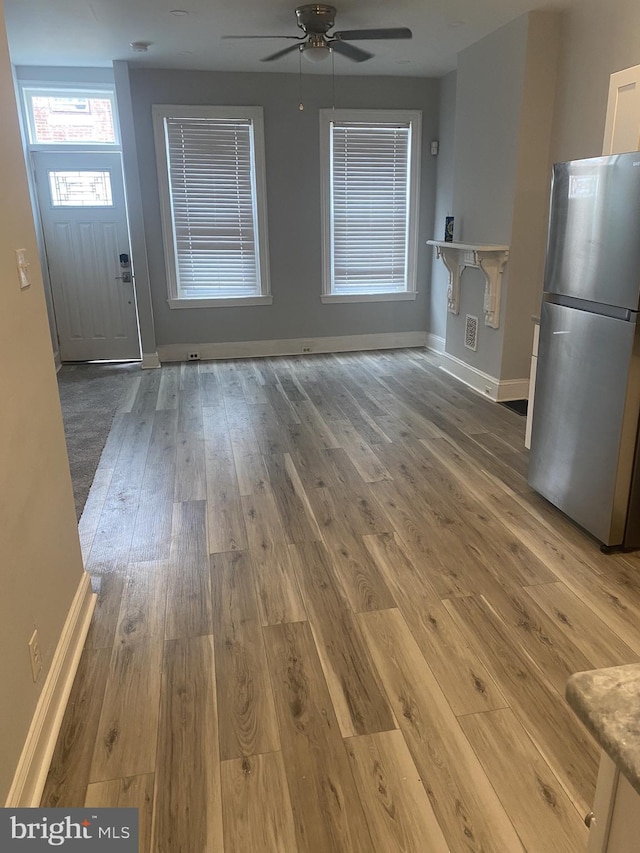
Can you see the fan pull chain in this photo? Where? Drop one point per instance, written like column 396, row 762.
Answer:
column 300, row 104
column 333, row 80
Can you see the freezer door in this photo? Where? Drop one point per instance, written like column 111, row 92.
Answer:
column 585, row 418
column 593, row 249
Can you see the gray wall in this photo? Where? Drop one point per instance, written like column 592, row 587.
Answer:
column 40, row 562
column 488, row 106
column 504, row 107
column 437, row 321
column 293, row 198
column 80, row 75
column 135, row 214
column 599, row 37
column 531, row 201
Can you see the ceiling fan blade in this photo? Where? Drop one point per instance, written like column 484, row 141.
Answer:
column 388, row 33
column 297, row 38
column 348, row 50
column 280, row 53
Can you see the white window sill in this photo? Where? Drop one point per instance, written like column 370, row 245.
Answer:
column 368, row 297
column 220, row 303
column 95, row 147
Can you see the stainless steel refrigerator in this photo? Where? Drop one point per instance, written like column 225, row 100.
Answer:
column 585, row 455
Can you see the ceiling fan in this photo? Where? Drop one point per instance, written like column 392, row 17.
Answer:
column 315, row 20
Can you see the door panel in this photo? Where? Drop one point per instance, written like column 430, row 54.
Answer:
column 581, row 409
column 622, row 126
column 82, row 207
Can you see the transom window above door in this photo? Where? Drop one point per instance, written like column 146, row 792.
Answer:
column 70, row 116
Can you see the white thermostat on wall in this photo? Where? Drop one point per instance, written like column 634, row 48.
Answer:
column 23, row 268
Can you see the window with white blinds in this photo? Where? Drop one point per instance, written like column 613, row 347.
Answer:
column 213, row 213
column 371, row 166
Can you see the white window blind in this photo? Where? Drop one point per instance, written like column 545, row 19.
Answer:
column 213, row 206
column 370, row 170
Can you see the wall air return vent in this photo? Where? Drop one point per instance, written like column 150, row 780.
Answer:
column 471, row 332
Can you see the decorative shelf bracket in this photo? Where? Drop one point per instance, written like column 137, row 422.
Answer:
column 488, row 258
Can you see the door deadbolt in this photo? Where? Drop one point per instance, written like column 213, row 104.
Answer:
column 125, row 266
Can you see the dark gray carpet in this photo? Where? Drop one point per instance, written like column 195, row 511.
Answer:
column 90, row 395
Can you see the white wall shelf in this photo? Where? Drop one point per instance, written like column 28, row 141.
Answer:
column 491, row 259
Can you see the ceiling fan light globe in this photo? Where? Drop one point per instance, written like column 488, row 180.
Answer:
column 315, row 54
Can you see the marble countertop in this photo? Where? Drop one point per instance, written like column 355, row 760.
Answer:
column 607, row 701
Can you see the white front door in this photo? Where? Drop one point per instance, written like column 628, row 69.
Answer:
column 622, row 125
column 84, row 221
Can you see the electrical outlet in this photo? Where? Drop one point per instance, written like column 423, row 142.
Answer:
column 35, row 656
column 193, row 355
column 306, row 349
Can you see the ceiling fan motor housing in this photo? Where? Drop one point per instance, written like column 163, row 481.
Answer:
column 316, row 18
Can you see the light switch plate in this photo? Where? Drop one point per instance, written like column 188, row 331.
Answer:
column 23, row 268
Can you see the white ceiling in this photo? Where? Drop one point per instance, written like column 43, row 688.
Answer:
column 95, row 32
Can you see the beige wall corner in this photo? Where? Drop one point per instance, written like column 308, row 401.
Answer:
column 33, row 766
column 40, row 561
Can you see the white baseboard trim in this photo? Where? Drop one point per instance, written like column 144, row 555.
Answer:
column 513, row 389
column 435, row 343
column 57, row 360
column 150, row 360
column 33, row 766
column 293, row 346
column 488, row 386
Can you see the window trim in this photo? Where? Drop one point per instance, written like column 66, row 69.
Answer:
column 395, row 296
column 255, row 114
column 30, row 88
column 414, row 117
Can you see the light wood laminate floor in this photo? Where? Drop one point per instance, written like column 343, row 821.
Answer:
column 333, row 616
